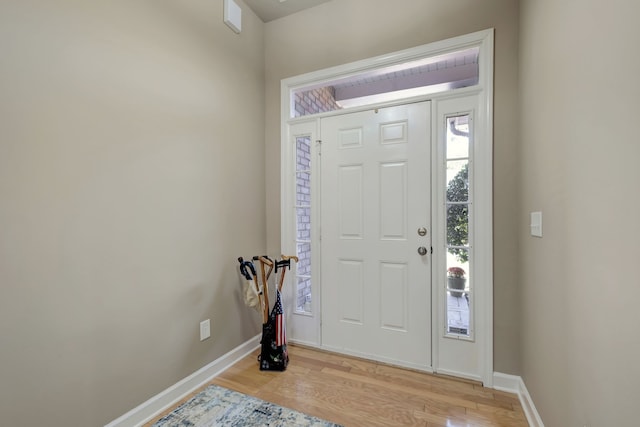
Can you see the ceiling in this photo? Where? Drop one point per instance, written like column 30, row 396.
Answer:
column 269, row 10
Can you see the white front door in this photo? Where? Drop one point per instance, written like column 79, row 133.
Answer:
column 376, row 234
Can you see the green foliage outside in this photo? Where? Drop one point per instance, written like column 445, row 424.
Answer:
column 458, row 215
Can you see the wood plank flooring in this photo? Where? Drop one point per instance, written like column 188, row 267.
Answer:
column 356, row 392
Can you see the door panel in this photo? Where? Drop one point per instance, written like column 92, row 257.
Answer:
column 375, row 192
column 350, row 294
column 350, row 201
column 393, row 200
column 394, row 291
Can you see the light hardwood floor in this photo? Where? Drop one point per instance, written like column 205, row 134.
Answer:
column 355, row 392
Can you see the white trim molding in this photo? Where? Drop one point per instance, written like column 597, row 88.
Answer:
column 165, row 399
column 515, row 384
column 479, row 362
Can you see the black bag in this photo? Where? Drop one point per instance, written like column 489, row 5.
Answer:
column 273, row 354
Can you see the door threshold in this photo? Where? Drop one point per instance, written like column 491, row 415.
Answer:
column 369, row 358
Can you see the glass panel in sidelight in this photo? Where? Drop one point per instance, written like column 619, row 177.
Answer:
column 458, row 137
column 303, row 272
column 303, row 297
column 457, row 224
column 303, row 224
column 304, row 259
column 458, row 181
column 458, row 292
column 303, row 188
column 303, row 153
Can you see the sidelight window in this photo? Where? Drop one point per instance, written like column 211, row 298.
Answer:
column 303, row 223
column 458, row 205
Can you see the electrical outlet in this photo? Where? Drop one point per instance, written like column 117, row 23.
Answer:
column 205, row 329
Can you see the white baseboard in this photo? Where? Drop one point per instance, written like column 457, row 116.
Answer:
column 163, row 400
column 505, row 382
column 515, row 384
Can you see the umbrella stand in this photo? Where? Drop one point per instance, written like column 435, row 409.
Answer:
column 273, row 353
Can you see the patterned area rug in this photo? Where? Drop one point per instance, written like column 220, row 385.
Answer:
column 218, row 406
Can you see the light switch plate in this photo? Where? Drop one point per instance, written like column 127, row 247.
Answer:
column 205, row 329
column 233, row 15
column 536, row 224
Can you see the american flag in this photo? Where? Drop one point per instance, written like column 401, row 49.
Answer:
column 281, row 337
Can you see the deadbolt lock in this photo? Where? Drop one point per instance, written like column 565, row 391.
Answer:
column 422, row 231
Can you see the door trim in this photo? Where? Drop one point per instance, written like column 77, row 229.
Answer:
column 483, row 178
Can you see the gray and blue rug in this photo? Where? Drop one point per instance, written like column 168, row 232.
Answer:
column 218, row 406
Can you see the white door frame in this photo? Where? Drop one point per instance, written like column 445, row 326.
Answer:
column 483, row 158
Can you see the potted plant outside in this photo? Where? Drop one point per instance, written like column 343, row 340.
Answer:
column 456, row 281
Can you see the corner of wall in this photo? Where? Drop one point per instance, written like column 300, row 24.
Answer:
column 515, row 384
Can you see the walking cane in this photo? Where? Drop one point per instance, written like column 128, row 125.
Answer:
column 284, row 264
column 265, row 260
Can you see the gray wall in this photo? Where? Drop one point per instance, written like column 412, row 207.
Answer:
column 122, row 205
column 362, row 29
column 131, row 177
column 579, row 101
